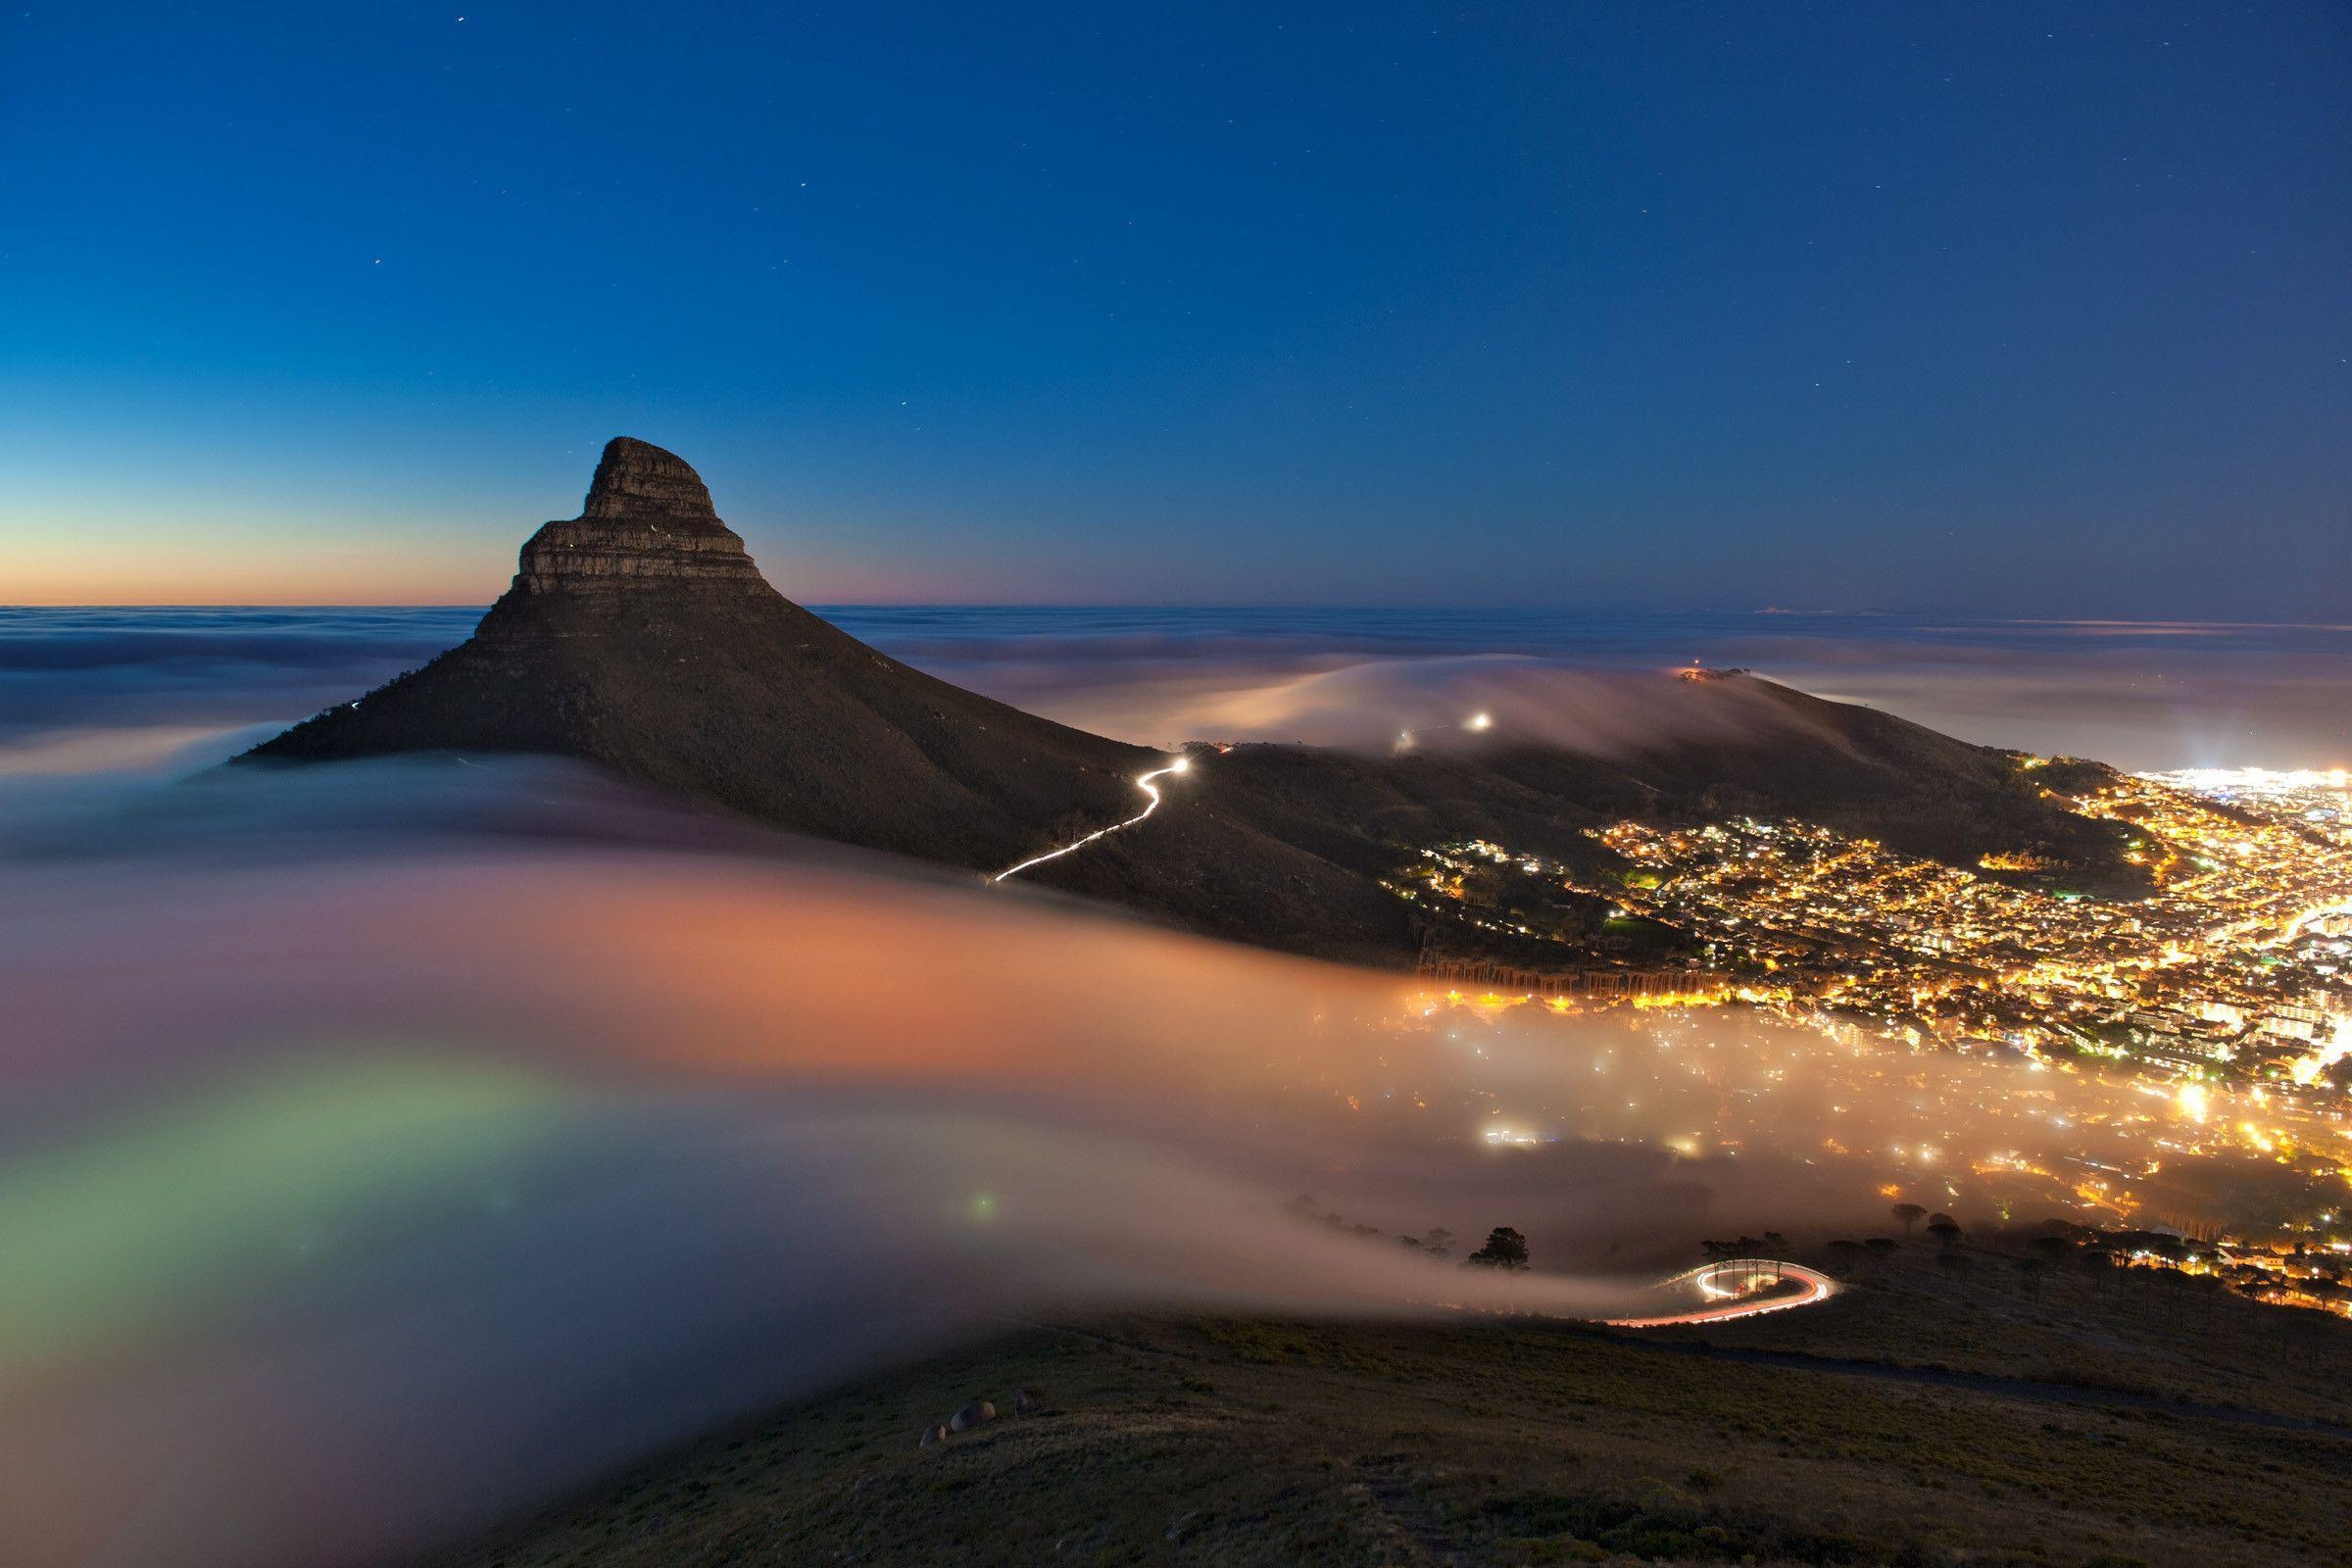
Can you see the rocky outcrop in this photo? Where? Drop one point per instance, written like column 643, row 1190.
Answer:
column 640, row 635
column 648, row 525
column 638, row 480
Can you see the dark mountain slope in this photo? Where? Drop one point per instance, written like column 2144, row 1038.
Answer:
column 640, row 636
column 1735, row 742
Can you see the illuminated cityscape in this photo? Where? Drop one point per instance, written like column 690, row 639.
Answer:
column 1277, row 786
column 2232, row 969
column 2210, row 1014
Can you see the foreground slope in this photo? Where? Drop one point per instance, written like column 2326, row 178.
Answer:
column 641, row 636
column 1923, row 1417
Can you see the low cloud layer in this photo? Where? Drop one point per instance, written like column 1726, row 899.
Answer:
column 86, row 670
column 380, row 1161
column 2141, row 695
column 388, row 1146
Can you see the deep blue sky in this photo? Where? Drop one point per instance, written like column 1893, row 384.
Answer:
column 2030, row 310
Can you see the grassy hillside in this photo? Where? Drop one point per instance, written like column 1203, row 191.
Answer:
column 1789, row 1438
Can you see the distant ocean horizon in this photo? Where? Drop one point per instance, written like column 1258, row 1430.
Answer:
column 2157, row 693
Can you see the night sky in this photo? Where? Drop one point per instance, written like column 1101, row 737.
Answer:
column 2026, row 311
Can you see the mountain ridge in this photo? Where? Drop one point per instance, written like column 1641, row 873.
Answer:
column 641, row 636
column 647, row 598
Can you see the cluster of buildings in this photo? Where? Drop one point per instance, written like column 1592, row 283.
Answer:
column 2202, row 1025
column 2236, row 967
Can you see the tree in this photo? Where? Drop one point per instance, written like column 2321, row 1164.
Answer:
column 2053, row 1248
column 1505, row 1250
column 1945, row 1230
column 1438, row 1240
column 1910, row 1215
column 2104, row 1262
column 1882, row 1245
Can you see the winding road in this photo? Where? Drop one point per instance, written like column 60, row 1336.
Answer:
column 1144, row 783
column 1729, row 1291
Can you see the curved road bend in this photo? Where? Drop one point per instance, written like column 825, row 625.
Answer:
column 1727, row 1287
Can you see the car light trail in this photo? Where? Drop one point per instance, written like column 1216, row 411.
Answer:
column 1407, row 739
column 1735, row 1301
column 1150, row 790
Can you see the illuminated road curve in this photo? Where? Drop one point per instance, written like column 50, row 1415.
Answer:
column 1726, row 1285
column 1144, row 783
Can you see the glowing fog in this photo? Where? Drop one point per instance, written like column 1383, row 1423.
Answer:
column 369, row 1174
column 387, row 1147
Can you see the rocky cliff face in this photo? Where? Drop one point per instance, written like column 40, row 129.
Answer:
column 648, row 525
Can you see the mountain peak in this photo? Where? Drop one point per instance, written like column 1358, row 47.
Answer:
column 640, row 636
column 646, row 529
column 636, row 478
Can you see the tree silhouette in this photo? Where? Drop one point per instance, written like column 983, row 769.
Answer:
column 1440, row 1241
column 1910, row 1215
column 2053, row 1248
column 1505, row 1250
column 1945, row 1230
column 1954, row 1264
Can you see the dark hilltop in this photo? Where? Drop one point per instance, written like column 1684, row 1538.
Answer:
column 640, row 636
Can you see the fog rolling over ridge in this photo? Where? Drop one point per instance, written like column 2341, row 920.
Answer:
column 370, row 1141
column 143, row 682
column 392, row 1144
column 2139, row 695
column 641, row 637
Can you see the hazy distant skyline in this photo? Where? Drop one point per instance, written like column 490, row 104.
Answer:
column 1994, row 311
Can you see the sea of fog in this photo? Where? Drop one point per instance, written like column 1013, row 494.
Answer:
column 386, row 1148
column 2143, row 695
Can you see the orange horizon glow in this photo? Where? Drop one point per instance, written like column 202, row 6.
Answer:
column 392, row 586
column 375, row 576
column 139, row 568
